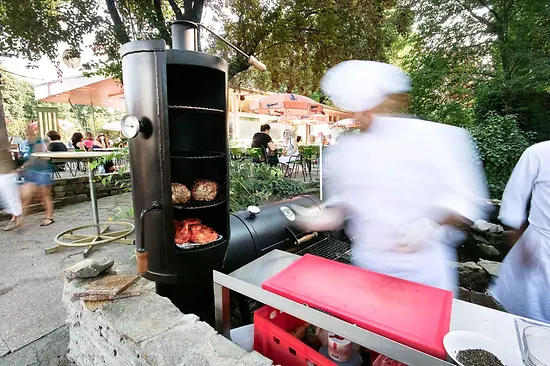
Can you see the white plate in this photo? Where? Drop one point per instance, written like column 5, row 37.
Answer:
column 462, row 340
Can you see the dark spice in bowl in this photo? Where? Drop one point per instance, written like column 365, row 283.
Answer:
column 477, row 357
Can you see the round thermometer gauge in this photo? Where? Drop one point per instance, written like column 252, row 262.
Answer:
column 129, row 125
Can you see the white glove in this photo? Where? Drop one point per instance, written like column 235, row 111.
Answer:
column 315, row 219
column 415, row 235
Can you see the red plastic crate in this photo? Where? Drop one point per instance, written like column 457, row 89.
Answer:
column 271, row 339
column 412, row 314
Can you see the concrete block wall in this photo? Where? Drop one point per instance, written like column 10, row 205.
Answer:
column 146, row 330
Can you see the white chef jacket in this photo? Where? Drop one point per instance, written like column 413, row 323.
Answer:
column 523, row 288
column 400, row 170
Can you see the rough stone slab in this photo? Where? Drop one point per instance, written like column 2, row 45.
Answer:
column 93, row 305
column 177, row 344
column 472, row 277
column 156, row 314
column 30, row 311
column 96, row 301
column 488, row 251
column 218, row 351
column 490, row 267
column 463, row 294
column 254, row 359
column 4, row 349
column 49, row 350
column 106, row 288
column 484, row 300
column 88, row 268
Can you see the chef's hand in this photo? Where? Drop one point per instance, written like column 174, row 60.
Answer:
column 315, row 219
column 415, row 235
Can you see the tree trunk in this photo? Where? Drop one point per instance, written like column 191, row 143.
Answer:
column 120, row 31
column 4, row 138
column 161, row 26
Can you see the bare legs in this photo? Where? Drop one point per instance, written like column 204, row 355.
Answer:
column 27, row 192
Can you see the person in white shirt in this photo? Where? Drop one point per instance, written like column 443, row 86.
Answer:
column 523, row 283
column 406, row 185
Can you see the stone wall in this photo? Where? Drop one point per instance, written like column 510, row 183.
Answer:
column 145, row 330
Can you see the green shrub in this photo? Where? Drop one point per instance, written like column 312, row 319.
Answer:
column 500, row 143
column 256, row 184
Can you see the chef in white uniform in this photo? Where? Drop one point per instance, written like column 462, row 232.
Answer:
column 523, row 283
column 405, row 184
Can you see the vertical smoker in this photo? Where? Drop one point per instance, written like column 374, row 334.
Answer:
column 179, row 97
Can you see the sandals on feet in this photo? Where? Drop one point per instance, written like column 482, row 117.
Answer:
column 12, row 226
column 47, row 221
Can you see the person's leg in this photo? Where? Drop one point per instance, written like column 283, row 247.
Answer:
column 27, row 193
column 9, row 194
column 47, row 201
column 45, row 183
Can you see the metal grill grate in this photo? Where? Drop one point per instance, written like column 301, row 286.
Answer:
column 193, row 108
column 194, row 205
column 329, row 248
column 197, row 155
column 201, row 247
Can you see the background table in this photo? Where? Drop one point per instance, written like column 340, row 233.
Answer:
column 101, row 232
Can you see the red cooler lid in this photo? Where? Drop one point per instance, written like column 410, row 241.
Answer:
column 416, row 315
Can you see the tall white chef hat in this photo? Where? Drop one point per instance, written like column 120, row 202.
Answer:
column 358, row 86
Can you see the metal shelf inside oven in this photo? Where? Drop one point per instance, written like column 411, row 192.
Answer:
column 195, row 205
column 201, row 247
column 197, row 155
column 195, row 108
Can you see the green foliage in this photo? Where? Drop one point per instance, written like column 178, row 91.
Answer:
column 300, row 40
column 19, row 103
column 491, row 54
column 107, row 179
column 256, row 184
column 34, row 28
column 500, row 143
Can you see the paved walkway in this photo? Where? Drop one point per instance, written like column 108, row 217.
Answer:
column 31, row 282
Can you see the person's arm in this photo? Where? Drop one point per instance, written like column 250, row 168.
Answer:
column 272, row 146
column 513, row 208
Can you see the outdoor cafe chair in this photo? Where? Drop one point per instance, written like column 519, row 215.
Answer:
column 294, row 165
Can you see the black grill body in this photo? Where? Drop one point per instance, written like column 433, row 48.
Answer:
column 273, row 228
column 180, row 99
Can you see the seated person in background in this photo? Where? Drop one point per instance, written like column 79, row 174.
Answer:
column 56, row 145
column 78, row 141
column 89, row 141
column 101, row 142
column 290, row 150
column 264, row 141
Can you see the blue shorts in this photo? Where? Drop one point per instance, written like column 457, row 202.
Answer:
column 39, row 178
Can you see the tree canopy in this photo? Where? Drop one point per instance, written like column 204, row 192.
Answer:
column 297, row 40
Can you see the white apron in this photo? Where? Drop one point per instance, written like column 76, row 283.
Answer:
column 523, row 283
column 395, row 173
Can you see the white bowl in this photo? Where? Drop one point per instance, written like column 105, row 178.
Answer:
column 462, row 340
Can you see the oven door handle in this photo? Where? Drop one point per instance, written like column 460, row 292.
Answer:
column 155, row 205
column 306, row 238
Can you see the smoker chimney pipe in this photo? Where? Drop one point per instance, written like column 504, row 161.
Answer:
column 184, row 35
